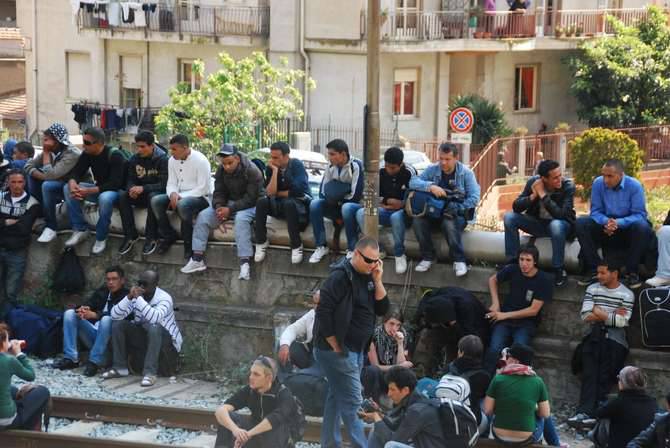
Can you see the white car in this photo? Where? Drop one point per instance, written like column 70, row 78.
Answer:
column 416, row 159
column 315, row 164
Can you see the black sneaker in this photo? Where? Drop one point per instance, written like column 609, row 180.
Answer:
column 91, row 369
column 632, row 281
column 560, row 277
column 65, row 364
column 127, row 245
column 588, row 280
column 149, row 247
column 164, row 246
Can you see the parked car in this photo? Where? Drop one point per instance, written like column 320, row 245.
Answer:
column 417, row 159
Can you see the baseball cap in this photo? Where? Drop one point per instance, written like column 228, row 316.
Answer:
column 227, row 150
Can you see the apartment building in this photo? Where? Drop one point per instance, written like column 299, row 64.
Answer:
column 432, row 50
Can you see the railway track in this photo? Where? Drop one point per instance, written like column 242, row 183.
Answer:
column 89, row 414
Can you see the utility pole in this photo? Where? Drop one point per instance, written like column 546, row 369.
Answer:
column 371, row 150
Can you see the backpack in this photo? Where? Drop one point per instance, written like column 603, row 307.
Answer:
column 455, row 388
column 655, row 317
column 310, row 389
column 459, row 425
column 41, row 328
column 297, row 421
column 261, row 167
column 125, row 154
column 422, row 203
column 335, row 191
column 69, row 276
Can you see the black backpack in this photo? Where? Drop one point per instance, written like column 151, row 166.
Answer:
column 311, row 390
column 69, row 276
column 459, row 424
column 654, row 308
column 297, row 420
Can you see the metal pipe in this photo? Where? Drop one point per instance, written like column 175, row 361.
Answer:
column 305, row 87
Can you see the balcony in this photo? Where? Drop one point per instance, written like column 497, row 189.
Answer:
column 198, row 21
column 398, row 27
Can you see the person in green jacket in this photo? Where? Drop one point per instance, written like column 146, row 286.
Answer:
column 19, row 408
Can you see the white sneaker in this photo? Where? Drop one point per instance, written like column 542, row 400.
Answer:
column 99, row 247
column 76, row 238
column 319, row 253
column 193, row 266
column 245, row 272
column 350, row 254
column 423, row 266
column 655, row 281
column 296, row 255
column 261, row 249
column 460, row 268
column 47, row 236
column 400, row 264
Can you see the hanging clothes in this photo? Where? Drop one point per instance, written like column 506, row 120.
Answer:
column 114, row 14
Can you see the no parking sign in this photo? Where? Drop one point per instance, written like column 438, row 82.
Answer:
column 461, row 120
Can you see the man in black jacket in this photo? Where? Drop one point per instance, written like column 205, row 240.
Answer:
column 18, row 211
column 92, row 324
column 414, row 418
column 272, row 408
column 351, row 298
column 657, row 435
column 147, row 177
column 544, row 208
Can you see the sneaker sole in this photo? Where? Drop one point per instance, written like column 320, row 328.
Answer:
column 149, row 252
column 191, row 271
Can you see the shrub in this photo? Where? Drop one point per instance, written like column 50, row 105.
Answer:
column 594, row 147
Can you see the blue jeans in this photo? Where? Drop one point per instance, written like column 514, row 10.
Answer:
column 396, row 220
column 452, row 229
column 502, row 334
column 556, row 229
column 187, row 209
column 544, row 428
column 207, row 220
column 344, row 396
column 318, row 210
column 12, row 267
column 50, row 195
column 94, row 338
column 351, row 226
column 105, row 200
column 396, row 445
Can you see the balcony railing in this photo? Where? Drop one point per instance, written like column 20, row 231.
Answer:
column 209, row 21
column 441, row 25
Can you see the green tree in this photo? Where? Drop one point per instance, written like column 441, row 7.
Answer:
column 594, row 147
column 233, row 102
column 624, row 80
column 489, row 118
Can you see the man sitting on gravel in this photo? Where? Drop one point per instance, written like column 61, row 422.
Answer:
column 92, row 324
column 272, row 410
column 153, row 331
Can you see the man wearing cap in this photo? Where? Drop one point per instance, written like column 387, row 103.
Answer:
column 288, row 198
column 48, row 172
column 108, row 166
column 187, row 193
column 238, row 184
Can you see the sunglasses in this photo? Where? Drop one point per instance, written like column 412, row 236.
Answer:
column 88, row 142
column 367, row 259
column 266, row 363
column 142, row 283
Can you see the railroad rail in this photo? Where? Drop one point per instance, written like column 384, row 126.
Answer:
column 120, row 412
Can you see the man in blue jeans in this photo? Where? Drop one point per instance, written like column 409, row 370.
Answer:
column 454, row 182
column 516, row 319
column 544, row 208
column 351, row 298
column 109, row 169
column 92, row 324
column 393, row 183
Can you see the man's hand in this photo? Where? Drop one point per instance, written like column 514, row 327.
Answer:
column 241, row 435
column 620, row 311
column 370, row 417
column 85, row 313
column 135, row 191
column 174, row 198
column 407, row 364
column 83, row 192
column 394, row 204
column 74, row 189
column 496, row 316
column 223, row 213
column 494, row 308
column 273, row 167
column 283, row 354
column 538, row 189
column 399, row 337
column 438, row 191
column 135, row 292
column 378, row 272
column 610, row 227
column 10, row 221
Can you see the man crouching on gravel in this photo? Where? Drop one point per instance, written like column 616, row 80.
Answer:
column 273, row 411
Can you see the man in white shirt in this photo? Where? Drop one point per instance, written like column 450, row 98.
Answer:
column 295, row 343
column 187, row 191
column 154, row 326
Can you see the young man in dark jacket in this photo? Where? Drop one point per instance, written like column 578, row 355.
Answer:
column 92, row 324
column 109, row 169
column 414, row 418
column 272, row 407
column 288, row 197
column 351, row 298
column 238, row 184
column 657, row 435
column 18, row 211
column 544, row 208
column 147, row 177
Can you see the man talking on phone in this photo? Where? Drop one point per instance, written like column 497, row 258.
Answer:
column 351, row 298
column 92, row 324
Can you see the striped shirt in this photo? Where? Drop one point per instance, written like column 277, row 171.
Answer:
column 609, row 300
column 157, row 311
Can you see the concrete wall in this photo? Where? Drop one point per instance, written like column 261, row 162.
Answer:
column 13, row 75
column 326, row 19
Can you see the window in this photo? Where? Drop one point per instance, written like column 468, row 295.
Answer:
column 188, row 75
column 525, row 88
column 131, row 81
column 78, row 67
column 190, row 10
column 405, row 92
column 407, row 12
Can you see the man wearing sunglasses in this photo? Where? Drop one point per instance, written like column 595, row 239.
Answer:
column 108, row 166
column 237, row 186
column 351, row 298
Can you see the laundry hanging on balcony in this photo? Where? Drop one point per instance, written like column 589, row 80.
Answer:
column 132, row 12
